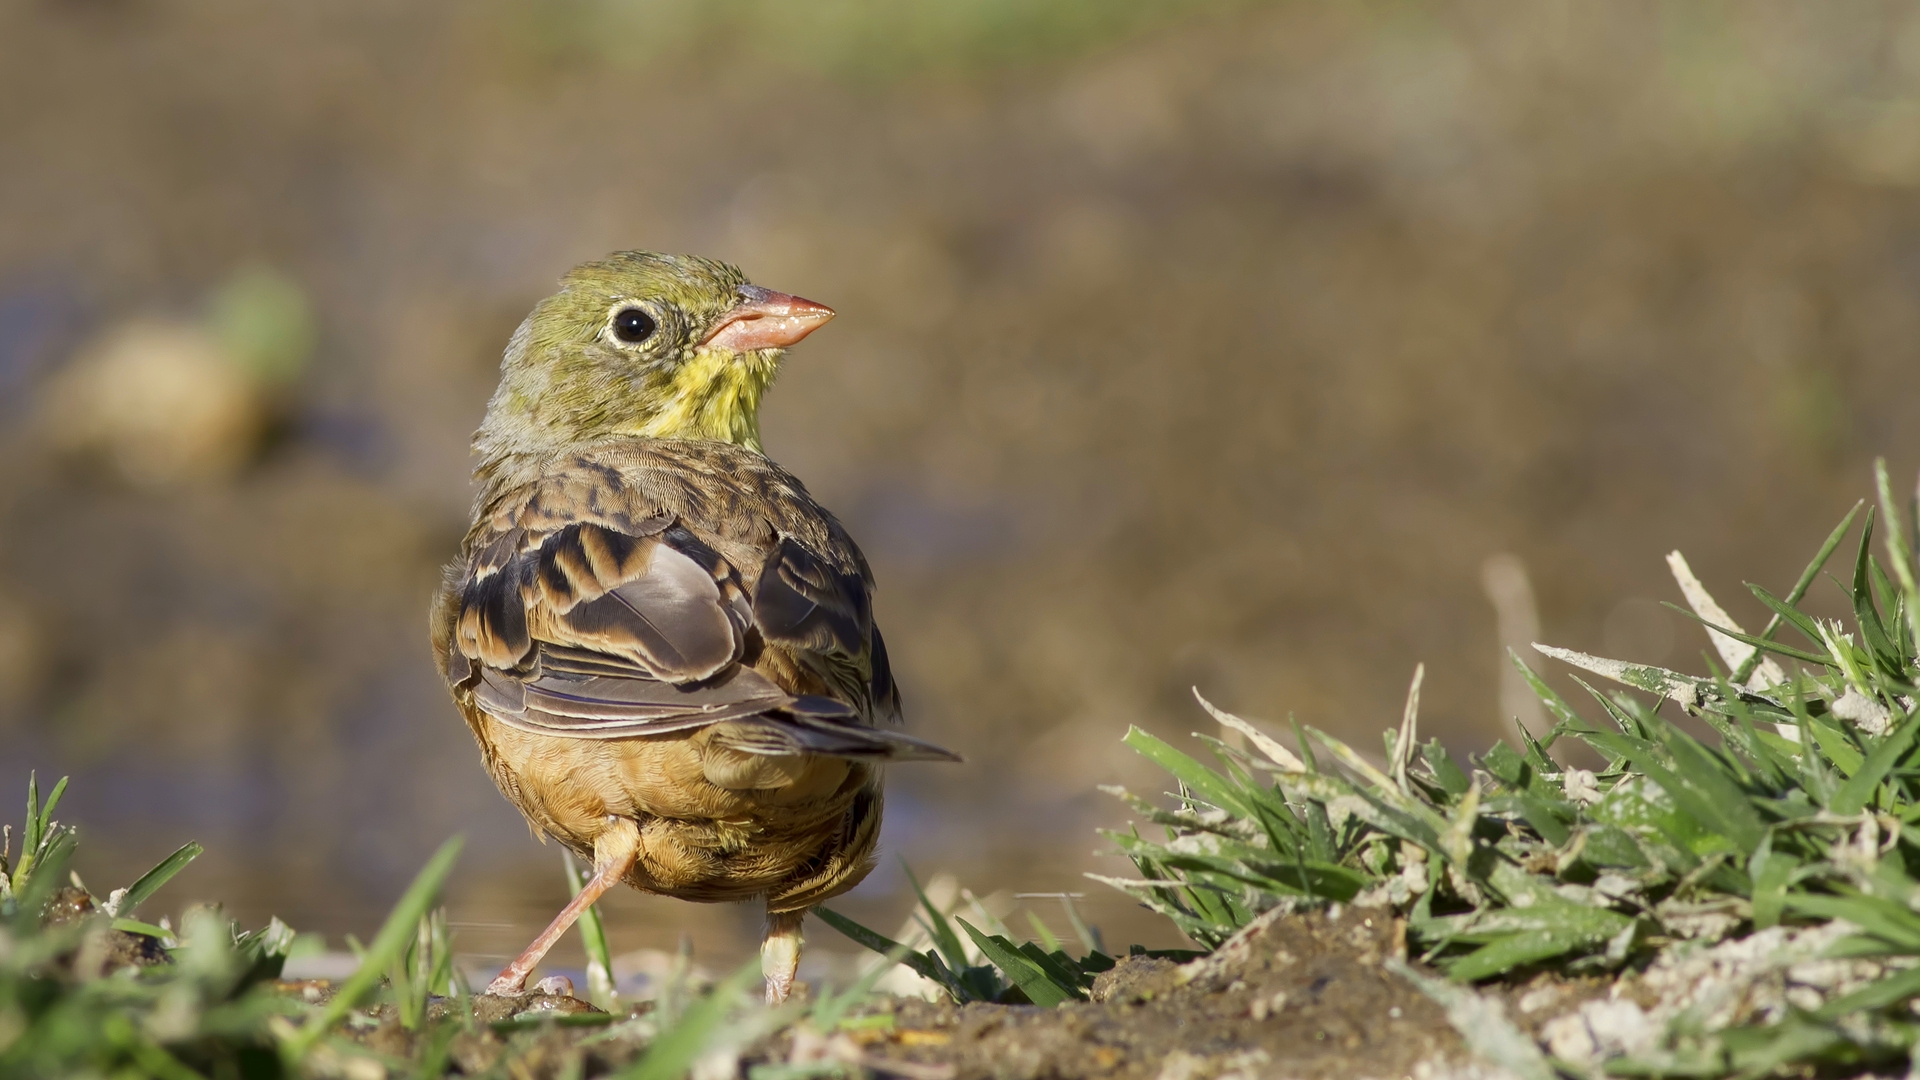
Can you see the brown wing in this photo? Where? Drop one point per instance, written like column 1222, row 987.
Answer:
column 584, row 612
column 805, row 604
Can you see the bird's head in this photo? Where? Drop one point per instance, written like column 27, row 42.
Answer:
column 668, row 346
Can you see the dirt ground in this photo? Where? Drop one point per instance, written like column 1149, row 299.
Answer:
column 1305, row 996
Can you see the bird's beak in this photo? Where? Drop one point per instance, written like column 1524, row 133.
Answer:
column 765, row 319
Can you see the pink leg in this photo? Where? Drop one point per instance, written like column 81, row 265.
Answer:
column 613, row 853
column 780, row 953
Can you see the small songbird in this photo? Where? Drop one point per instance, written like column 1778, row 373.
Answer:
column 665, row 648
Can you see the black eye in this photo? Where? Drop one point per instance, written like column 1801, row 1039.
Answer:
column 632, row 325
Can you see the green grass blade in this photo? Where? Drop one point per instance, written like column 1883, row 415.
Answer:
column 1306, row 748
column 1880, row 917
column 1019, row 969
column 1510, row 952
column 1758, row 643
column 31, row 897
column 440, row 979
column 30, row 833
column 1756, row 1052
column 1772, row 872
column 151, row 881
column 1873, row 631
column 1062, row 969
column 871, row 939
column 1799, row 591
column 944, row 939
column 1549, row 697
column 34, row 883
column 1710, row 781
column 1701, row 795
column 1042, row 934
column 1089, row 935
column 1208, row 786
column 593, row 938
column 1853, row 795
column 1894, row 623
column 1783, row 610
column 925, row 964
column 52, row 804
column 400, row 989
column 1839, row 751
column 1445, row 773
column 387, row 946
column 135, row 926
column 1320, row 839
column 1899, row 553
column 42, row 838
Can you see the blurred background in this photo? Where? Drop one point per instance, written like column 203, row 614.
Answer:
column 1214, row 344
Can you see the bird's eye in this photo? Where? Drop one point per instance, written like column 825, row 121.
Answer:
column 632, row 325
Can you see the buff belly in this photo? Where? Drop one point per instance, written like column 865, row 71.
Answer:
column 715, row 824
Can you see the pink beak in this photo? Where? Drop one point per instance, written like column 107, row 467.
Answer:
column 767, row 320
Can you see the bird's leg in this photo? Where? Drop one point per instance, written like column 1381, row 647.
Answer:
column 780, row 953
column 613, row 853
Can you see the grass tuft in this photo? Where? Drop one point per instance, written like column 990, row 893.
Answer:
column 1799, row 810
column 87, row 991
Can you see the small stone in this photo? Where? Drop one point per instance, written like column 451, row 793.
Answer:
column 1538, row 998
column 67, row 906
column 162, row 402
column 1268, row 1006
column 1181, row 1065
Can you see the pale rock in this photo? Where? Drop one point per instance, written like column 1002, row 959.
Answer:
column 160, row 402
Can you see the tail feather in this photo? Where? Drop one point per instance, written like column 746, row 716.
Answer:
column 800, row 733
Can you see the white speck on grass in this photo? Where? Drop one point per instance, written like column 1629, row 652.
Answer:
column 1864, row 712
column 1581, row 787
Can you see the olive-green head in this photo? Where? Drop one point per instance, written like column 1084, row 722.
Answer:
column 643, row 344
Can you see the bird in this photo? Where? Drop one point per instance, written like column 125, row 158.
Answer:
column 664, row 647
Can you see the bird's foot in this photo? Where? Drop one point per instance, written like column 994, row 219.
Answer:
column 780, row 954
column 508, row 984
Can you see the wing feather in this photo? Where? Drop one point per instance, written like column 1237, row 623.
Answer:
column 588, row 608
